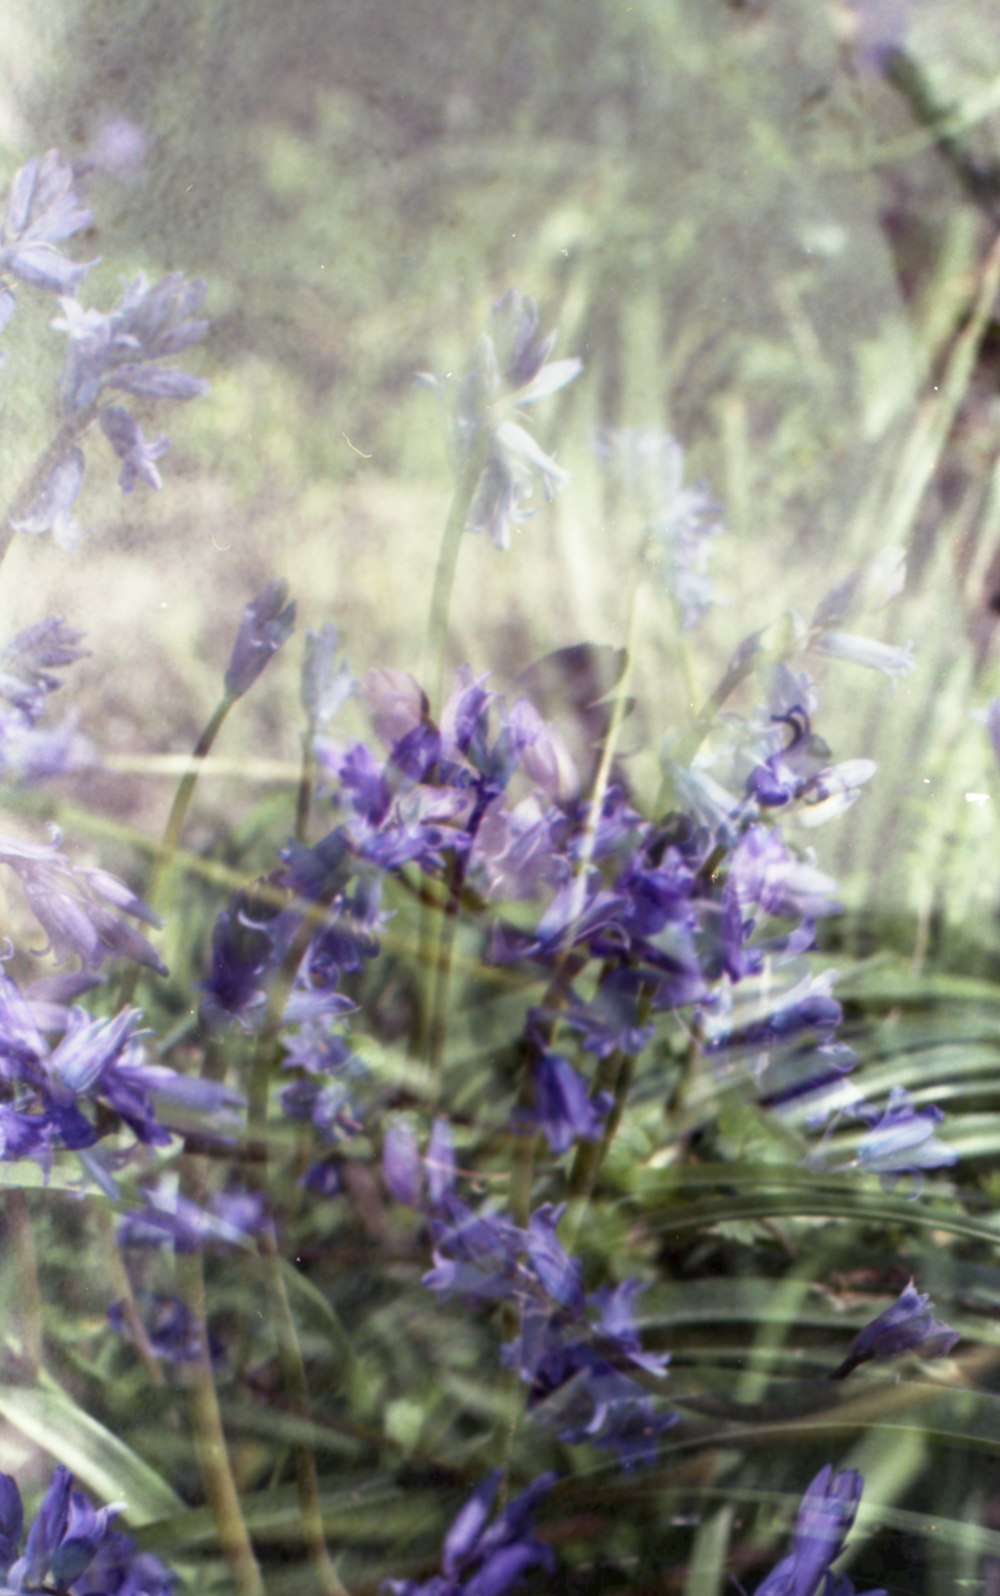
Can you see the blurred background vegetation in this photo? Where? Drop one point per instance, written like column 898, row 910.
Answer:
column 759, row 233
column 754, row 234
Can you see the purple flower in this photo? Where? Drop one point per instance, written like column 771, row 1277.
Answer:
column 824, row 1521
column 563, row 1108
column 79, row 909
column 405, row 1171
column 172, row 1330
column 138, row 457
column 48, row 508
column 901, row 1140
column 115, row 349
column 482, row 1559
column 244, row 952
column 908, row 1325
column 476, row 1256
column 579, row 1373
column 680, row 520
column 28, row 661
column 510, row 371
column 267, row 623
column 326, row 686
column 73, row 1548
column 231, row 1218
column 43, row 211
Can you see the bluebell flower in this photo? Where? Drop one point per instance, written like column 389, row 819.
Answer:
column 172, row 1330
column 901, row 1140
column 81, row 910
column 138, row 457
column 43, row 211
column 244, row 953
column 28, row 663
column 578, row 1370
column 825, row 1517
column 908, row 1325
column 509, row 372
column 267, row 624
column 117, row 349
column 402, row 1167
column 51, row 502
column 231, row 1218
column 563, row 1107
column 483, row 1559
column 870, row 587
column 609, row 1022
column 680, row 520
column 63, row 1540
column 476, row 1255
column 73, row 1547
column 326, row 685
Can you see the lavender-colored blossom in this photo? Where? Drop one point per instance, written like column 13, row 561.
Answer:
column 483, row 1559
column 867, row 651
column 267, row 623
column 680, row 520
column 172, row 1330
column 475, row 1255
column 119, row 147
column 138, row 457
column 401, row 1164
column 28, row 661
column 578, row 1370
column 509, row 372
column 610, row 1021
column 542, row 753
column 326, row 685
column 244, row 952
column 116, row 349
column 825, row 1517
column 908, row 1325
column 73, row 1548
column 396, row 702
column 231, row 1218
column 563, row 1108
column 902, row 1140
column 49, row 505
column 43, row 211
column 80, row 910
column 63, row 1540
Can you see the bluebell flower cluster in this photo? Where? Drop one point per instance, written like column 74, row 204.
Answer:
column 109, row 354
column 94, row 1078
column 510, row 372
column 72, row 1548
column 479, row 1558
column 29, row 750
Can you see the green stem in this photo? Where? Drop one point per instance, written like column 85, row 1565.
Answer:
column 444, row 577
column 123, row 1289
column 209, row 1435
column 29, row 1296
column 167, row 850
column 290, row 1359
column 185, row 792
column 303, row 802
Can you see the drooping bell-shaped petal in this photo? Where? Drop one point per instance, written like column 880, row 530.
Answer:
column 267, row 623
column 908, row 1325
column 138, row 457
